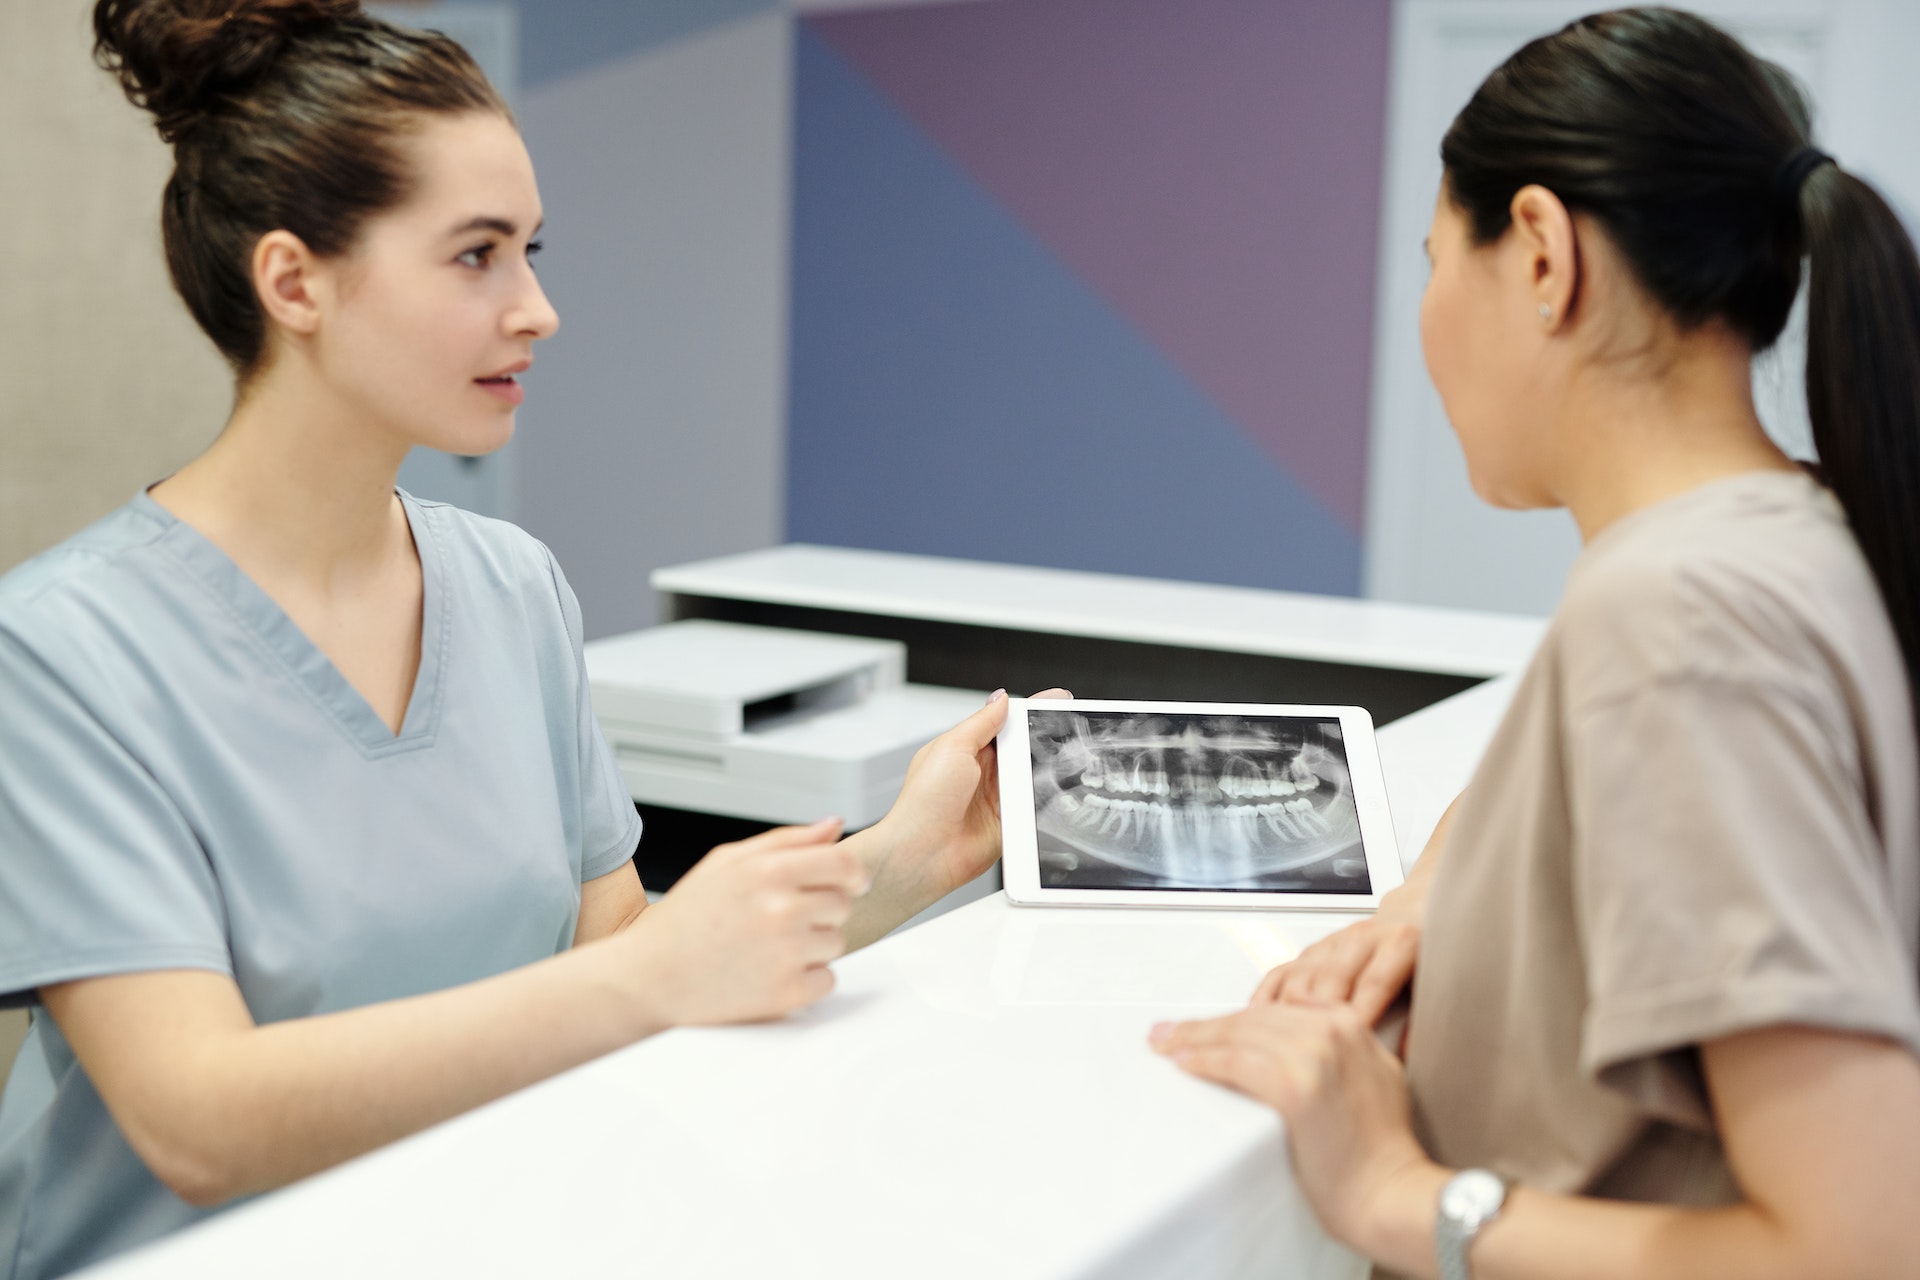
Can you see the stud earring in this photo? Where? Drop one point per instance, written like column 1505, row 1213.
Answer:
column 1546, row 312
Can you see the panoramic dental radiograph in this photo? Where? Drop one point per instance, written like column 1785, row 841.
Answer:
column 1128, row 800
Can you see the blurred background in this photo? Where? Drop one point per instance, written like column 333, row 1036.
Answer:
column 1118, row 285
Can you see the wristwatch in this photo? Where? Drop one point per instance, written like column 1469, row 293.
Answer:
column 1471, row 1199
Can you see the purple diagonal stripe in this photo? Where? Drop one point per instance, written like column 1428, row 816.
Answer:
column 1212, row 169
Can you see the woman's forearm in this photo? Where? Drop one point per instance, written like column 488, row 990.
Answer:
column 1565, row 1236
column 942, row 832
column 1547, row 1237
column 902, row 885
column 220, row 1108
column 320, row 1090
column 1822, row 1130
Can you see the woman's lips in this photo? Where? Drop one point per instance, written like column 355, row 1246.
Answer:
column 505, row 389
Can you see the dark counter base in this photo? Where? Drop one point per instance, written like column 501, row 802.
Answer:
column 1022, row 662
column 674, row 839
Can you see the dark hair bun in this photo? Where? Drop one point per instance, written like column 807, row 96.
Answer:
column 179, row 58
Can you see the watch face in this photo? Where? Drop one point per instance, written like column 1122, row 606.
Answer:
column 1473, row 1196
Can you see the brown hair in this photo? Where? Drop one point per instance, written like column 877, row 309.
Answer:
column 283, row 115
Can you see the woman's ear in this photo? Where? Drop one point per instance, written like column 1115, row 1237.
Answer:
column 286, row 277
column 1545, row 235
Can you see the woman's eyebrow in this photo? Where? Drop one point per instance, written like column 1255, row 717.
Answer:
column 489, row 222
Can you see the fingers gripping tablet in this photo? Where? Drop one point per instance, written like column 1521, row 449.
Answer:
column 1194, row 804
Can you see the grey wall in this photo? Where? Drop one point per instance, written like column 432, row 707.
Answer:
column 653, row 429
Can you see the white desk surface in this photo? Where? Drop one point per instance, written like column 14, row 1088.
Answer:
column 1110, row 606
column 976, row 1099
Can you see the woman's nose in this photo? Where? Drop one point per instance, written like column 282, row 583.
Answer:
column 535, row 315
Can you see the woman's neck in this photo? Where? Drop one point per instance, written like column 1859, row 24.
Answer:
column 299, row 485
column 1625, row 443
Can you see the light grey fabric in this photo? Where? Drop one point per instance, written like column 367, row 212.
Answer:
column 187, row 782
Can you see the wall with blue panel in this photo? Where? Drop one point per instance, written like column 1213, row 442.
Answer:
column 1084, row 283
column 1087, row 283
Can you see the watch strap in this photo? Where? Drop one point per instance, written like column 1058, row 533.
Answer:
column 1453, row 1236
column 1451, row 1242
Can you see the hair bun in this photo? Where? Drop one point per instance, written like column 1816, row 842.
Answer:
column 179, row 58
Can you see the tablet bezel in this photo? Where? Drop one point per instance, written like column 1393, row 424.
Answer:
column 1020, row 853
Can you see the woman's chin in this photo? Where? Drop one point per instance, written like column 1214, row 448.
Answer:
column 474, row 443
column 1498, row 490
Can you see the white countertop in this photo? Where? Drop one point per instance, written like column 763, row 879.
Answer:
column 976, row 1099
column 1110, row 606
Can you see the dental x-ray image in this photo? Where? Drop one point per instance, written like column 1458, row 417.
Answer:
column 1146, row 800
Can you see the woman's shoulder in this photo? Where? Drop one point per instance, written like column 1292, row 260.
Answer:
column 487, row 544
column 497, row 565
column 88, row 573
column 1752, row 579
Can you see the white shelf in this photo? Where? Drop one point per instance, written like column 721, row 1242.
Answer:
column 1114, row 607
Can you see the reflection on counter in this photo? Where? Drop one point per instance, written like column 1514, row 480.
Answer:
column 1149, row 958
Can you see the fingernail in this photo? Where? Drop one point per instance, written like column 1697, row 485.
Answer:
column 1161, row 1032
column 996, row 696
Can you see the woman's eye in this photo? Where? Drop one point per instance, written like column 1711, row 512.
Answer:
column 477, row 256
column 533, row 249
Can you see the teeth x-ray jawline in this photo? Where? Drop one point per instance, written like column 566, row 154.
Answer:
column 1146, row 800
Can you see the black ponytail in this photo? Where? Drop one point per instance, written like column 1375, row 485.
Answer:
column 1863, row 380
column 1694, row 155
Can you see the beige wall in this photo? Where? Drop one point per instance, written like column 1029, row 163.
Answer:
column 105, row 383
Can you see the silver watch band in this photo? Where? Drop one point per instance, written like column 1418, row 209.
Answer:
column 1452, row 1242
column 1471, row 1199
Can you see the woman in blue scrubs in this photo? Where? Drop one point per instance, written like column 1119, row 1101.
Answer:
column 308, row 838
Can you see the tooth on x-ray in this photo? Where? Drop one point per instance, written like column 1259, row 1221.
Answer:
column 1200, row 800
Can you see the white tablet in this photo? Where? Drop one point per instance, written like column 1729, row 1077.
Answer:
column 1193, row 804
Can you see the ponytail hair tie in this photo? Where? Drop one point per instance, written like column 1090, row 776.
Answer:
column 1792, row 175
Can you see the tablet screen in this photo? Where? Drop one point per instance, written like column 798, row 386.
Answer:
column 1155, row 800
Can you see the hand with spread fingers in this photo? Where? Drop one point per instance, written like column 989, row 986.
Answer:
column 1370, row 963
column 1342, row 1094
column 1366, row 966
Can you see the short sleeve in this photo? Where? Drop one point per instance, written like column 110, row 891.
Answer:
column 1728, row 874
column 99, row 871
column 609, row 824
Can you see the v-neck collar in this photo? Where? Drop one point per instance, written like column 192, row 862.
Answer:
column 304, row 661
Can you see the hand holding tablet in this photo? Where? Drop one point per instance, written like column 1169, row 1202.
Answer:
column 1193, row 804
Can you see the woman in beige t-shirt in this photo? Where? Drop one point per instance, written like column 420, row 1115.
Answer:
column 1668, row 992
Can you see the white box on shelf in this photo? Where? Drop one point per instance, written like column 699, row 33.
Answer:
column 765, row 723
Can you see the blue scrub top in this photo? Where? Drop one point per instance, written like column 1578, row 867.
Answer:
column 187, row 782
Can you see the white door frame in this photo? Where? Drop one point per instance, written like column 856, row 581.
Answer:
column 1428, row 539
